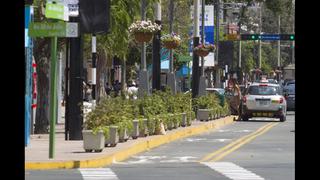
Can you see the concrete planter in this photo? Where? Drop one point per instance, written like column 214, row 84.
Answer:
column 93, row 142
column 123, row 137
column 135, row 132
column 203, row 114
column 184, row 119
column 113, row 137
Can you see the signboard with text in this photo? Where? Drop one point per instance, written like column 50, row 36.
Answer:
column 52, row 29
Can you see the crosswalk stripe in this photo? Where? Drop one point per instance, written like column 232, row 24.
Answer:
column 232, row 171
column 98, row 174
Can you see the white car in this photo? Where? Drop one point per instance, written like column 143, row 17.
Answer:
column 263, row 100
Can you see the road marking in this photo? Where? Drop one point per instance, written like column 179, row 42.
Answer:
column 234, row 143
column 247, row 140
column 98, row 174
column 232, row 171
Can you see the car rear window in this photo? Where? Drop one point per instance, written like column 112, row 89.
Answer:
column 263, row 90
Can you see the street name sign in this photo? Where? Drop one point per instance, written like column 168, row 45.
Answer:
column 53, row 29
column 56, row 11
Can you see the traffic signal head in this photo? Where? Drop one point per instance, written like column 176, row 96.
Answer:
column 287, row 37
column 252, row 37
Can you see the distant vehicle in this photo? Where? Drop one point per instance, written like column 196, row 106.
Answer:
column 272, row 81
column 263, row 100
column 289, row 91
column 218, row 90
column 288, row 82
column 289, row 72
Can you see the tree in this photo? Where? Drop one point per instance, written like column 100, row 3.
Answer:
column 42, row 56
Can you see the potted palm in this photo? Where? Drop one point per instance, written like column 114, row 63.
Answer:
column 143, row 30
column 171, row 41
column 203, row 50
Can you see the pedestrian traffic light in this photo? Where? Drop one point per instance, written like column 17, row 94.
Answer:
column 287, row 37
column 250, row 37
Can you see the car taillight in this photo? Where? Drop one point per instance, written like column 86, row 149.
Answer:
column 244, row 99
column 281, row 100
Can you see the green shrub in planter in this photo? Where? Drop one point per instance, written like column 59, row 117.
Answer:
column 176, row 120
column 143, row 127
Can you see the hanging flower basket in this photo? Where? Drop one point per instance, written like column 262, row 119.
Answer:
column 171, row 41
column 143, row 30
column 202, row 53
column 203, row 50
column 171, row 44
column 142, row 37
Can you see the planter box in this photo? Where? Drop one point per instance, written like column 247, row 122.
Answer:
column 135, row 132
column 123, row 137
column 184, row 119
column 113, row 136
column 203, row 114
column 93, row 142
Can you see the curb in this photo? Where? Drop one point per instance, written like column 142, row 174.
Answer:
column 135, row 149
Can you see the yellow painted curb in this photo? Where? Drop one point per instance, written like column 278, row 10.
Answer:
column 135, row 149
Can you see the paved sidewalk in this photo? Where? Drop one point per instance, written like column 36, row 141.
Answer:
column 70, row 154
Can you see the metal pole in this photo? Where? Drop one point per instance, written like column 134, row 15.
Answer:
column 66, row 93
column 260, row 24
column 171, row 6
column 293, row 42
column 143, row 74
column 202, row 34
column 143, row 46
column 217, row 79
column 53, row 96
column 202, row 83
column 195, row 60
column 93, row 69
column 279, row 55
column 156, row 47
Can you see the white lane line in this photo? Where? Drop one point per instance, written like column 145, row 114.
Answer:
column 232, row 171
column 98, row 174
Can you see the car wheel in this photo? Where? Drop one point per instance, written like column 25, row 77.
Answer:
column 282, row 118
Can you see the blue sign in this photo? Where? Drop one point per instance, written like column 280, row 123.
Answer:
column 209, row 36
column 270, row 37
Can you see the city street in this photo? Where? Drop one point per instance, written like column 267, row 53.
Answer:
column 257, row 149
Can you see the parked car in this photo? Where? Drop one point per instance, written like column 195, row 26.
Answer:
column 263, row 100
column 220, row 92
column 289, row 91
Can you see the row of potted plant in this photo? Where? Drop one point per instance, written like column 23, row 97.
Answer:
column 119, row 118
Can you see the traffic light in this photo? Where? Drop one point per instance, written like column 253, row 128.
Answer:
column 287, row 37
column 252, row 37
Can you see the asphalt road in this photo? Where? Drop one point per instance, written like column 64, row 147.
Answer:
column 257, row 149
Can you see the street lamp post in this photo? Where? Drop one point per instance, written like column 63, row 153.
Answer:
column 202, row 84
column 217, row 78
column 260, row 24
column 195, row 58
column 143, row 74
column 171, row 76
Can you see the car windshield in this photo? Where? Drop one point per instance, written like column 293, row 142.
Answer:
column 263, row 90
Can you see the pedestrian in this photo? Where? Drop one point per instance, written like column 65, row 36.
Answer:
column 88, row 93
column 132, row 90
column 117, row 87
column 108, row 89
